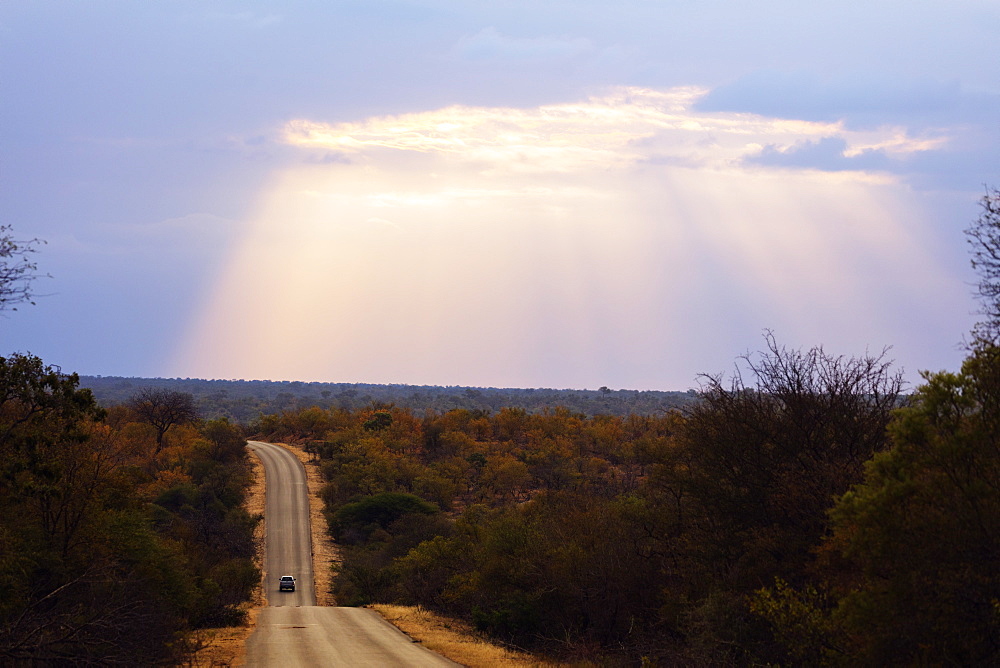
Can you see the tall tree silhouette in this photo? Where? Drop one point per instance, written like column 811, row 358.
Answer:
column 163, row 409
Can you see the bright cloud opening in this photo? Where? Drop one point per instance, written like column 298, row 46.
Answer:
column 627, row 126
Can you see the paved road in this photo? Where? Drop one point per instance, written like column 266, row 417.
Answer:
column 288, row 542
column 293, row 631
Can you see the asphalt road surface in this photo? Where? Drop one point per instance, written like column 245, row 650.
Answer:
column 293, row 630
column 288, row 542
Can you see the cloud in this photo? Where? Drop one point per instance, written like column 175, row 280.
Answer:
column 829, row 153
column 199, row 233
column 488, row 44
column 196, row 229
column 249, row 19
column 929, row 132
column 625, row 127
column 858, row 95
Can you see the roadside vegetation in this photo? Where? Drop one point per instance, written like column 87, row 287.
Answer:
column 120, row 537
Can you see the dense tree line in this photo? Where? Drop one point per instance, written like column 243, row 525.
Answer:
column 119, row 535
column 243, row 401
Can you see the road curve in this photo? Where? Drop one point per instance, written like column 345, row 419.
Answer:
column 293, row 631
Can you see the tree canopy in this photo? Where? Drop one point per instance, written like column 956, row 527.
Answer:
column 102, row 532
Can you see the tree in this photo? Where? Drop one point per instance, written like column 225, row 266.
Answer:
column 743, row 496
column 163, row 409
column 984, row 239
column 67, row 595
column 364, row 516
column 923, row 531
column 17, row 270
column 378, row 421
column 908, row 575
column 44, row 424
column 766, row 459
column 39, row 405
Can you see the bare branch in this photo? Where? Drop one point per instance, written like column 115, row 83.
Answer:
column 983, row 237
column 17, row 269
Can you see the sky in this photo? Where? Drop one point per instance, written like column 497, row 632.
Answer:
column 497, row 194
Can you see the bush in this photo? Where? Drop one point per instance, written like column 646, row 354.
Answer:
column 355, row 522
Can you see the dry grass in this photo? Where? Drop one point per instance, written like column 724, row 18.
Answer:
column 456, row 639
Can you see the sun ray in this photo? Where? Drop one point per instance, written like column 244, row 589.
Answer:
column 557, row 245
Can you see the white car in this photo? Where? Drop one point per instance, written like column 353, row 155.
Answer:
column 286, row 583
